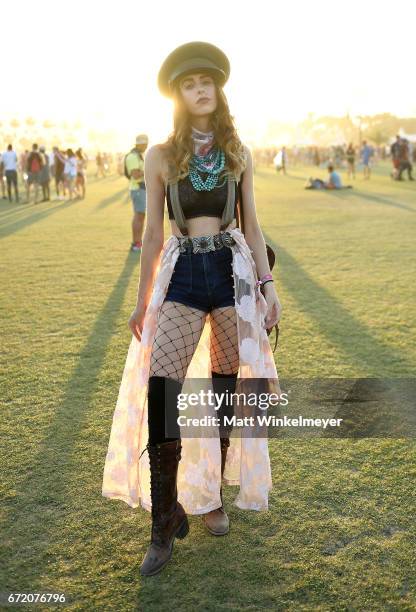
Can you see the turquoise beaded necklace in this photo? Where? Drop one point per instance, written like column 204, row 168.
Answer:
column 206, row 159
column 211, row 164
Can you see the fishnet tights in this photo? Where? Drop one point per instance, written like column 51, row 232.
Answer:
column 177, row 336
column 224, row 340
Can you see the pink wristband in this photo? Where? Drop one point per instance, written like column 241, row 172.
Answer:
column 266, row 277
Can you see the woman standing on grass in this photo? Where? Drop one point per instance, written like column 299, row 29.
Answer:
column 200, row 315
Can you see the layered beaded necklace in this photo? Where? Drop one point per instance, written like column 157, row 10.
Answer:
column 207, row 159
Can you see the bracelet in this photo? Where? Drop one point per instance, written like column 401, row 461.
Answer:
column 264, row 279
column 269, row 280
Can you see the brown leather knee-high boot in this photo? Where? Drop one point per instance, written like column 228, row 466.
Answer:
column 169, row 520
column 217, row 521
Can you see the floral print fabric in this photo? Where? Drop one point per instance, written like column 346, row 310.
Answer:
column 127, row 477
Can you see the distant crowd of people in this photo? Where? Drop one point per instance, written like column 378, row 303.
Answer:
column 401, row 153
column 67, row 168
column 37, row 169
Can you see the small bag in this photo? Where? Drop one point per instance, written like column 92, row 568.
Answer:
column 271, row 255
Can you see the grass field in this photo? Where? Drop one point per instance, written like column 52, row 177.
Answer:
column 340, row 532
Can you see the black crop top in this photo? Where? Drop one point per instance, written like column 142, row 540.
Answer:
column 202, row 203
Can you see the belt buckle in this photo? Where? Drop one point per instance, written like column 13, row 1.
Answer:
column 203, row 244
column 218, row 241
column 184, row 242
column 227, row 239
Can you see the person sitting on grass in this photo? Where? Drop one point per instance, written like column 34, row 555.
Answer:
column 334, row 181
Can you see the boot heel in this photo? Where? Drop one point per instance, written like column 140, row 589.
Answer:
column 183, row 529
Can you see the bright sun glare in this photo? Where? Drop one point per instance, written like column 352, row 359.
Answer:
column 98, row 63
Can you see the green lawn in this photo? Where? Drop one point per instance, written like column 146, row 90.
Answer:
column 340, row 531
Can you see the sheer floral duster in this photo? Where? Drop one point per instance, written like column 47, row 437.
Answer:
column 127, row 477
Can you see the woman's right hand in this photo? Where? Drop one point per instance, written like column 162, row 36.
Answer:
column 136, row 321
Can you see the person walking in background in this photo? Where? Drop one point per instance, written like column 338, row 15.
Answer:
column 350, row 153
column 59, row 166
column 106, row 163
column 52, row 163
column 404, row 160
column 280, row 160
column 44, row 175
column 134, row 171
column 70, row 172
column 34, row 166
column 23, row 166
column 395, row 157
column 277, row 161
column 367, row 153
column 100, row 166
column 120, row 164
column 284, row 160
column 9, row 160
column 411, row 150
column 81, row 172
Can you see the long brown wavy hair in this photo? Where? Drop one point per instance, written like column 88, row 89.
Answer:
column 179, row 146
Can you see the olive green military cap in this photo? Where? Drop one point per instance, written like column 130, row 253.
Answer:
column 191, row 57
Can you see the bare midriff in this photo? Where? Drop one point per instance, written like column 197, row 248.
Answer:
column 201, row 226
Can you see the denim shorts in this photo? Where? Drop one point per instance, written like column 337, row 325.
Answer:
column 203, row 280
column 138, row 198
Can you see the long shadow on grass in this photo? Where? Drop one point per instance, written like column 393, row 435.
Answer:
column 334, row 322
column 112, row 199
column 34, row 217
column 382, row 200
column 346, row 194
column 13, row 211
column 39, row 509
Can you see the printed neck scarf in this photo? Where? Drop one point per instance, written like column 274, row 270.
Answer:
column 203, row 141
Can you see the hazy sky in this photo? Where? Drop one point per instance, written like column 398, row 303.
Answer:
column 99, row 61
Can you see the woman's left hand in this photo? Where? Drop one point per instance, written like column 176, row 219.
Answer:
column 274, row 307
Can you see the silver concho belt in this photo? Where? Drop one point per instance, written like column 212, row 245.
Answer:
column 203, row 244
